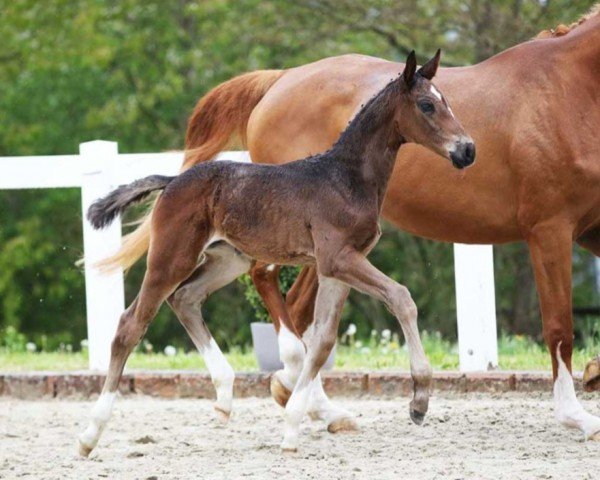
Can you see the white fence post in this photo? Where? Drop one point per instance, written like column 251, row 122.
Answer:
column 475, row 307
column 104, row 293
column 597, row 275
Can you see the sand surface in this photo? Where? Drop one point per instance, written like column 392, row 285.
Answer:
column 464, row 437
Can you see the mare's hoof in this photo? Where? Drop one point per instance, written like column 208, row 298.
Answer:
column 343, row 425
column 591, row 375
column 279, row 392
column 222, row 415
column 84, row 450
column 417, row 417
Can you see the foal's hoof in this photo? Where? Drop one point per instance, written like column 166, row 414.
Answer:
column 289, row 446
column 343, row 425
column 279, row 392
column 416, row 416
column 591, row 375
column 222, row 415
column 84, row 450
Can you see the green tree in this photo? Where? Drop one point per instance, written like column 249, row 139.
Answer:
column 131, row 71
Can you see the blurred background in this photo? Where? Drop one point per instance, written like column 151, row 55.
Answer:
column 131, row 71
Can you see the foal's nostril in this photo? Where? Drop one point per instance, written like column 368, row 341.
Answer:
column 470, row 153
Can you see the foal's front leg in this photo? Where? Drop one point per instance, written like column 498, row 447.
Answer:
column 319, row 339
column 353, row 268
column 292, row 352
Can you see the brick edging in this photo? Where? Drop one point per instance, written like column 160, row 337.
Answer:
column 185, row 384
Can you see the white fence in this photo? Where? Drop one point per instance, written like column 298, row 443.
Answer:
column 99, row 168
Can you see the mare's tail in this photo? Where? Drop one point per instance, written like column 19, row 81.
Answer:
column 219, row 116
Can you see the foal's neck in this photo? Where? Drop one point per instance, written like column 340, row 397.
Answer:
column 371, row 141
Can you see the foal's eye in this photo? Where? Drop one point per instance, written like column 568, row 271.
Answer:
column 427, row 107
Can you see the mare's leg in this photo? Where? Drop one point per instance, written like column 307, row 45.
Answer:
column 292, row 352
column 319, row 338
column 222, row 264
column 291, row 349
column 591, row 376
column 353, row 268
column 173, row 255
column 301, row 298
column 550, row 246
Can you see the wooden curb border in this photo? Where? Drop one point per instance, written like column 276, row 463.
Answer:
column 186, row 384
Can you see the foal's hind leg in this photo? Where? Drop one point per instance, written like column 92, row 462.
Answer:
column 172, row 258
column 222, row 265
column 353, row 268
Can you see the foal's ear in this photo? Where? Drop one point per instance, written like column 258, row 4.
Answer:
column 410, row 69
column 428, row 70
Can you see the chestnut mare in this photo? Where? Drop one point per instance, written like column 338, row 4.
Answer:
column 534, row 111
column 321, row 211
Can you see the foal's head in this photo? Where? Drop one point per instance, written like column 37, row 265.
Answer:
column 425, row 117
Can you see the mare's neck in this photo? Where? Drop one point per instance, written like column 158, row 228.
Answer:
column 370, row 143
column 582, row 46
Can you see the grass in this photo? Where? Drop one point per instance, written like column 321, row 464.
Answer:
column 515, row 353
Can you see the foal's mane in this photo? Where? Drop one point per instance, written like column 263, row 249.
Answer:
column 561, row 29
column 369, row 118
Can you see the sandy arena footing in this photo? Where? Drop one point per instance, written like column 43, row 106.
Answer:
column 465, row 436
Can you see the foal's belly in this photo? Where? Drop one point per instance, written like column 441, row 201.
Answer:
column 284, row 240
column 269, row 252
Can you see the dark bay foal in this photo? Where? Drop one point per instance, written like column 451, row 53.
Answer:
column 321, row 211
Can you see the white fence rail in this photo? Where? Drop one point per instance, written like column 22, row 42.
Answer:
column 99, row 168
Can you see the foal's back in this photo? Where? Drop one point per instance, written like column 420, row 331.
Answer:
column 267, row 212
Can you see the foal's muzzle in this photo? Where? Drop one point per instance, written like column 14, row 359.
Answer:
column 463, row 154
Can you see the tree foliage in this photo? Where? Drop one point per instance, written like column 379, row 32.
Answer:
column 131, row 71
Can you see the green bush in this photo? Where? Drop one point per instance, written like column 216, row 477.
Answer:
column 12, row 340
column 287, row 275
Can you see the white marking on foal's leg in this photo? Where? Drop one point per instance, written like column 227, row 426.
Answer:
column 319, row 338
column 294, row 412
column 99, row 418
column 222, row 376
column 567, row 409
column 321, row 408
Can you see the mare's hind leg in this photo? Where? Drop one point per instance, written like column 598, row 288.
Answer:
column 174, row 249
column 291, row 349
column 222, row 265
column 550, row 246
column 292, row 352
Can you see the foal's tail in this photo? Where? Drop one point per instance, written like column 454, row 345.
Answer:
column 219, row 116
column 103, row 211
